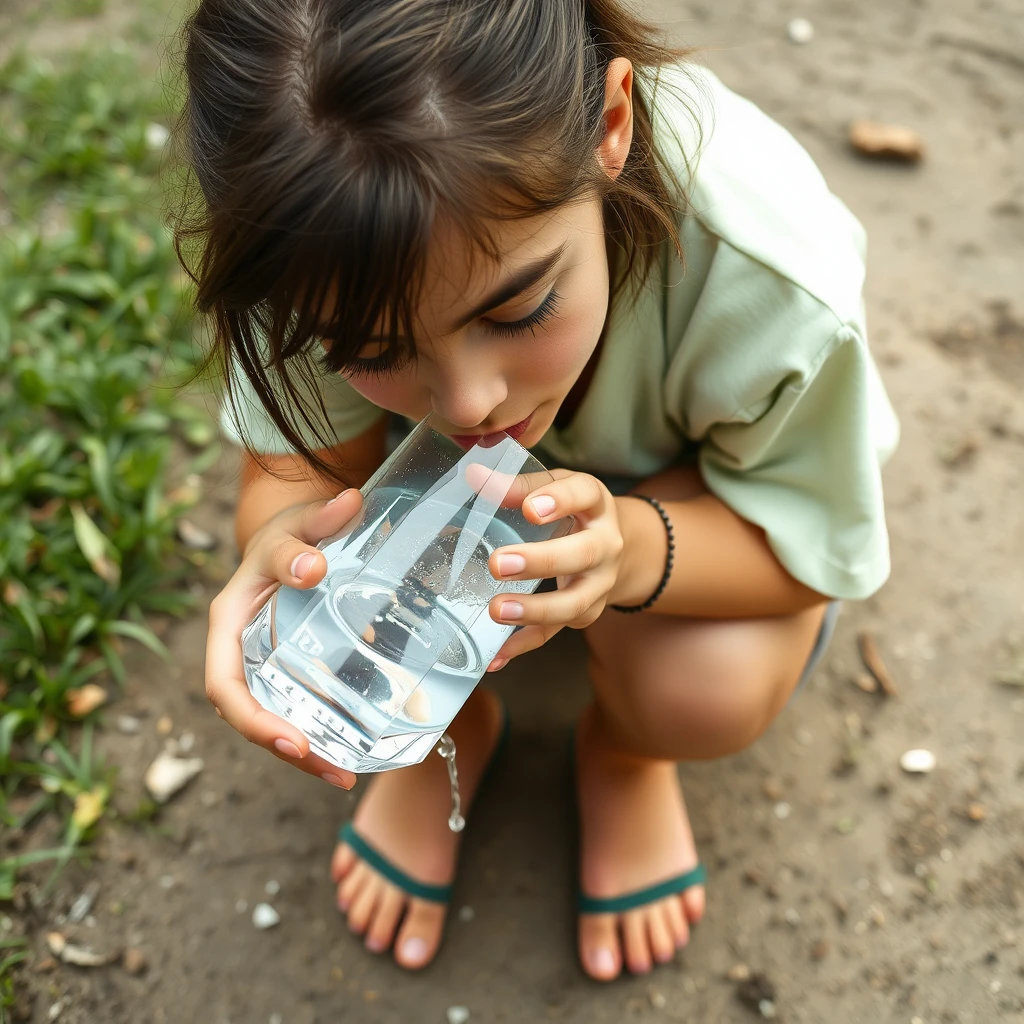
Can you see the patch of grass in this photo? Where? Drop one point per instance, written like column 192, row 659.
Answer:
column 12, row 952
column 94, row 339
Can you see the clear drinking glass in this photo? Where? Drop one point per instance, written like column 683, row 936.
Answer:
column 374, row 663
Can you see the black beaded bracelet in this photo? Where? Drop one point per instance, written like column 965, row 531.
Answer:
column 656, row 505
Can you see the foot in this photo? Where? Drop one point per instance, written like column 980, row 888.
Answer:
column 634, row 833
column 404, row 815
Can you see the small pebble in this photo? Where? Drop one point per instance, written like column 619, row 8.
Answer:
column 772, row 789
column 241, row 906
column 918, row 762
column 128, row 724
column 739, row 972
column 658, row 1000
column 265, row 916
column 767, row 1008
column 860, row 928
column 466, row 914
column 800, row 31
column 820, row 950
column 866, row 682
column 208, row 798
column 877, row 917
column 804, row 738
column 793, row 917
column 995, row 985
column 276, row 1018
column 272, row 888
column 186, row 742
column 164, row 725
column 134, row 960
column 886, row 888
column 782, row 810
column 457, row 1014
column 976, row 812
column 166, row 881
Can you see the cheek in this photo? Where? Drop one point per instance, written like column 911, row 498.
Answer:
column 396, row 394
column 564, row 350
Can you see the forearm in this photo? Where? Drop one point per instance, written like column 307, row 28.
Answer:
column 723, row 567
column 277, row 482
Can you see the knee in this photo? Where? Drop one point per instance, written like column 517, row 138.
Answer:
column 706, row 708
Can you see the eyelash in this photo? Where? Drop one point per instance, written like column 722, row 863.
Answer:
column 544, row 312
column 385, row 365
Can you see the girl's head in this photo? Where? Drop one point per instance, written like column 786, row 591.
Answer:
column 435, row 198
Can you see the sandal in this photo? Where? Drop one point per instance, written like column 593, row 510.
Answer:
column 418, row 890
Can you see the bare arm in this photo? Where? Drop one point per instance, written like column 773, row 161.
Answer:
column 287, row 480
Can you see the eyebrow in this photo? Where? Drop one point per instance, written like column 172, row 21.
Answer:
column 525, row 278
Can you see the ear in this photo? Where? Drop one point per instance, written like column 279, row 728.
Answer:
column 618, row 116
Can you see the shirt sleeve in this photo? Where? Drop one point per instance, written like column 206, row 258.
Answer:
column 792, row 422
column 247, row 423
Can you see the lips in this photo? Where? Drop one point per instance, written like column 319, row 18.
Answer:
column 466, row 441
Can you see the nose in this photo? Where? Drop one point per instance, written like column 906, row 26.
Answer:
column 464, row 395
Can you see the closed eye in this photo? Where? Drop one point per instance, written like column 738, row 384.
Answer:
column 544, row 312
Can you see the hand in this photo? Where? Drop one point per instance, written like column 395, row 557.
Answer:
column 281, row 552
column 586, row 563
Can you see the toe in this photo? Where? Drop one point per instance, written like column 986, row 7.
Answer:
column 659, row 933
column 693, row 903
column 600, row 952
column 364, row 905
column 676, row 917
column 381, row 930
column 420, row 935
column 351, row 885
column 342, row 862
column 634, row 941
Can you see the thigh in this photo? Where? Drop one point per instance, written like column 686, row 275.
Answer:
column 694, row 688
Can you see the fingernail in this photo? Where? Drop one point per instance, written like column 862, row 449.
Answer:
column 288, row 748
column 602, row 961
column 341, row 494
column 302, row 564
column 509, row 565
column 543, row 505
column 414, row 950
column 497, row 664
column 511, row 610
column 336, row 780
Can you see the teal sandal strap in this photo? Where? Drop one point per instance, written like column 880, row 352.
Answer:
column 641, row 897
column 380, row 864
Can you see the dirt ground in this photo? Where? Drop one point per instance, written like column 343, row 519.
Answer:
column 861, row 893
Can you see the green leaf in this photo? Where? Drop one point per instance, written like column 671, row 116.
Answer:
column 143, row 634
column 98, row 551
column 99, row 463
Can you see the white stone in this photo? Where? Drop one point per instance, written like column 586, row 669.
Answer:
column 918, row 762
column 128, row 724
column 168, row 775
column 782, row 810
column 457, row 1014
column 265, row 916
column 466, row 914
column 272, row 888
column 800, row 31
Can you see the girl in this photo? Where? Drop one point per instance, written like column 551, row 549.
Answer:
column 530, row 215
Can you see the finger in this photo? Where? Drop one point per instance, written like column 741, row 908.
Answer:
column 563, row 556
column 228, row 692
column 569, row 494
column 527, row 639
column 286, row 550
column 507, row 490
column 579, row 604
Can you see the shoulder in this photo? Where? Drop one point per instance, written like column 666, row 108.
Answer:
column 751, row 186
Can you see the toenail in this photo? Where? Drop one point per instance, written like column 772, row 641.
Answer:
column 602, row 961
column 375, row 945
column 414, row 950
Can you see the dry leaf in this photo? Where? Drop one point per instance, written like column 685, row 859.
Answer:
column 85, row 699
column 89, row 807
column 886, row 141
column 873, row 663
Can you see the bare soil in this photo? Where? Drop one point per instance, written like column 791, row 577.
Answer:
column 858, row 892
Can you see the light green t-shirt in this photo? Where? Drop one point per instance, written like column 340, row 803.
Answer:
column 754, row 355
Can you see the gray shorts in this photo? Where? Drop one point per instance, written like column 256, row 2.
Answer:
column 828, row 627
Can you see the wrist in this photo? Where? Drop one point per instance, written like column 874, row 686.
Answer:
column 644, row 552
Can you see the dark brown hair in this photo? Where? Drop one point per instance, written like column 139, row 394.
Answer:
column 326, row 136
